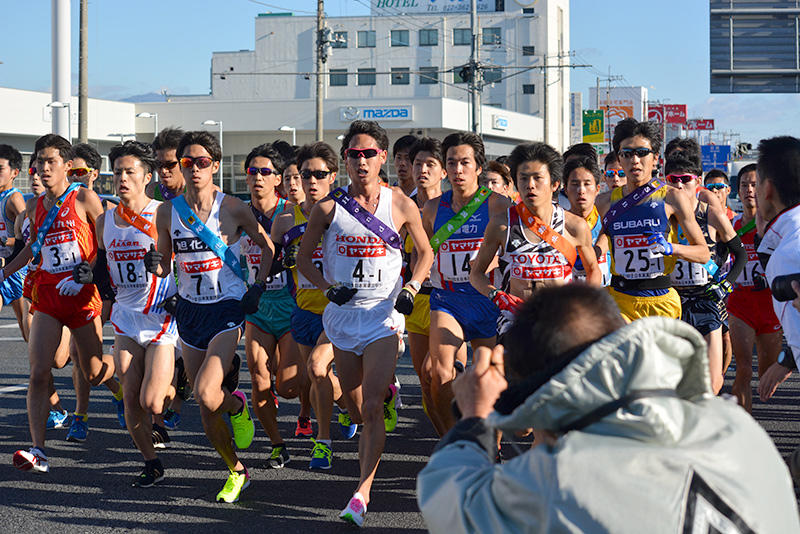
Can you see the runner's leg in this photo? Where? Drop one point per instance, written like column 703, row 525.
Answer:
column 130, row 364
column 743, row 337
column 258, row 347
column 446, row 340
column 714, row 340
column 40, row 356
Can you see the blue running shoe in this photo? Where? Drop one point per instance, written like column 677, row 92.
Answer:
column 120, row 404
column 172, row 419
column 321, row 456
column 57, row 419
column 346, row 425
column 79, row 429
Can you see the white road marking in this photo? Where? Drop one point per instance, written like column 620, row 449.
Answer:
column 12, row 389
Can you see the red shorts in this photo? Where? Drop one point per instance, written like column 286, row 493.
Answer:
column 755, row 309
column 72, row 312
column 27, row 284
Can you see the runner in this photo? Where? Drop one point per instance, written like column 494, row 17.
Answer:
column 614, row 174
column 752, row 317
column 642, row 253
column 362, row 254
column 203, row 228
column 402, row 163
column 145, row 333
column 293, row 182
column 63, row 222
column 455, row 223
column 716, row 181
column 317, row 164
column 702, row 297
column 11, row 205
column 583, row 184
column 498, row 178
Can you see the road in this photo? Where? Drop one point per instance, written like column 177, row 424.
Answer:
column 88, row 488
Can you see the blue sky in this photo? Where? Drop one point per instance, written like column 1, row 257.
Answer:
column 144, row 46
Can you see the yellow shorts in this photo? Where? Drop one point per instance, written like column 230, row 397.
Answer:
column 633, row 308
column 419, row 322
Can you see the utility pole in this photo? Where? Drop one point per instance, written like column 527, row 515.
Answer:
column 476, row 77
column 608, row 79
column 322, row 57
column 60, row 47
column 83, row 75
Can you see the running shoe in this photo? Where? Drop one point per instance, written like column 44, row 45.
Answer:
column 31, row 460
column 303, row 427
column 57, row 419
column 79, row 429
column 278, row 457
column 243, row 427
column 150, row 475
column 182, row 386
column 231, row 380
column 398, row 402
column 346, row 425
column 233, row 486
column 160, row 437
column 120, row 404
column 172, row 419
column 389, row 410
column 321, row 456
column 274, row 392
column 355, row 511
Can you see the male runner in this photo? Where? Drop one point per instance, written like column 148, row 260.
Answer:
column 716, row 181
column 498, row 178
column 642, row 255
column 11, row 205
column 363, row 258
column 702, row 297
column 293, row 182
column 63, row 222
column 614, row 174
column 583, row 185
column 402, row 163
column 170, row 178
column 203, row 228
column 455, row 222
column 145, row 333
column 752, row 317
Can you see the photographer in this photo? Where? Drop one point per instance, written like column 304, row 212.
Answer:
column 635, row 441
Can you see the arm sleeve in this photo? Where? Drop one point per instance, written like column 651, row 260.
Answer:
column 736, row 248
column 277, row 260
column 19, row 244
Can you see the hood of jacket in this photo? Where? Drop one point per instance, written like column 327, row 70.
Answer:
column 653, row 353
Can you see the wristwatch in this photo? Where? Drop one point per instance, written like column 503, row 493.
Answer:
column 413, row 284
column 786, row 359
column 493, row 293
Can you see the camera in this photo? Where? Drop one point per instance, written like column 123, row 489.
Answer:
column 782, row 287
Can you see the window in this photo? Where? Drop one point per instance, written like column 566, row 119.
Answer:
column 366, row 76
column 428, row 75
column 429, row 37
column 528, row 50
column 491, row 36
column 528, row 11
column 338, row 77
column 339, row 40
column 399, row 37
column 401, row 76
column 528, row 89
column 492, row 75
column 461, row 37
column 366, row 39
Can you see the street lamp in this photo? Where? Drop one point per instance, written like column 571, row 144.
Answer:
column 290, row 129
column 148, row 115
column 59, row 105
column 210, row 122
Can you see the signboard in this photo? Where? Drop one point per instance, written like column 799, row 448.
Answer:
column 675, row 113
column 499, row 122
column 575, row 118
column 593, row 126
column 655, row 113
column 376, row 113
column 396, row 7
column 715, row 157
column 620, row 103
column 700, row 124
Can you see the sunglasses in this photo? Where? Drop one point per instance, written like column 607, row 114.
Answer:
column 319, row 175
column 615, row 172
column 79, row 171
column 263, row 171
column 678, row 178
column 31, row 171
column 358, row 153
column 167, row 164
column 640, row 152
column 714, row 187
column 202, row 162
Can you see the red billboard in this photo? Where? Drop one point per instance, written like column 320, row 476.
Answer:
column 675, row 113
column 700, row 124
column 655, row 113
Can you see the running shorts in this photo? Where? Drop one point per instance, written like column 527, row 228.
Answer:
column 27, row 284
column 476, row 314
column 306, row 326
column 73, row 312
column 352, row 329
column 11, row 288
column 144, row 329
column 703, row 313
column 274, row 315
column 198, row 324
column 419, row 322
column 755, row 309
column 632, row 307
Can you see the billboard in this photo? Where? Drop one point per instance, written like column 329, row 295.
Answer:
column 575, row 118
column 655, row 113
column 715, row 157
column 396, row 7
column 675, row 113
column 593, row 126
column 619, row 103
column 700, row 124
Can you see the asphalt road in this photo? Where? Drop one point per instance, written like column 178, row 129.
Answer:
column 88, row 488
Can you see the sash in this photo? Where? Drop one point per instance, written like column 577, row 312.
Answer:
column 710, row 266
column 166, row 194
column 458, row 220
column 293, row 233
column 746, row 228
column 212, row 240
column 36, row 246
column 137, row 221
column 630, row 200
column 547, row 234
column 3, row 197
column 367, row 220
column 263, row 220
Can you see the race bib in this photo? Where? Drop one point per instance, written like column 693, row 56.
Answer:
column 752, row 269
column 127, row 268
column 687, row 273
column 359, row 261
column 532, row 266
column 316, row 259
column 454, row 258
column 633, row 258
column 60, row 252
column 200, row 278
column 253, row 260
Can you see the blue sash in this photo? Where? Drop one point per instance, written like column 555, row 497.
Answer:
column 36, row 246
column 212, row 240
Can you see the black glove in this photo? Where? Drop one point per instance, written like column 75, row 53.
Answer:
column 290, row 256
column 170, row 305
column 759, row 282
column 340, row 294
column 82, row 273
column 404, row 302
column 249, row 302
column 719, row 291
column 152, row 259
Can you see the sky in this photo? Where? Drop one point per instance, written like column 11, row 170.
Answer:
column 147, row 46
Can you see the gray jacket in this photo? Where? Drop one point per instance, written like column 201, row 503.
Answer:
column 655, row 464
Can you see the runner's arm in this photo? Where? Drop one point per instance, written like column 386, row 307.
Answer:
column 163, row 222
column 413, row 225
column 730, row 241
column 317, row 221
column 14, row 206
column 247, row 222
column 697, row 249
column 91, row 204
column 493, row 238
column 577, row 227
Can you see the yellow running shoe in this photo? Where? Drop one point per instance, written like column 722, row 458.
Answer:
column 233, row 486
column 243, row 428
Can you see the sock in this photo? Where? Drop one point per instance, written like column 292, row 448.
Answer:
column 240, row 410
column 307, row 419
column 281, row 444
column 118, row 394
column 83, row 416
column 154, row 464
column 40, row 451
column 326, row 442
column 389, row 395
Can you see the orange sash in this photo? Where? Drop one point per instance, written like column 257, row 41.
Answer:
column 547, row 234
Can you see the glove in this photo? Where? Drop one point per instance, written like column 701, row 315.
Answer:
column 719, row 290
column 405, row 301
column 69, row 287
column 152, row 259
column 507, row 302
column 249, row 302
column 170, row 305
column 82, row 273
column 759, row 282
column 659, row 244
column 339, row 293
column 290, row 256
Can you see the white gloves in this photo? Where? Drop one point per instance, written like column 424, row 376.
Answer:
column 69, row 287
